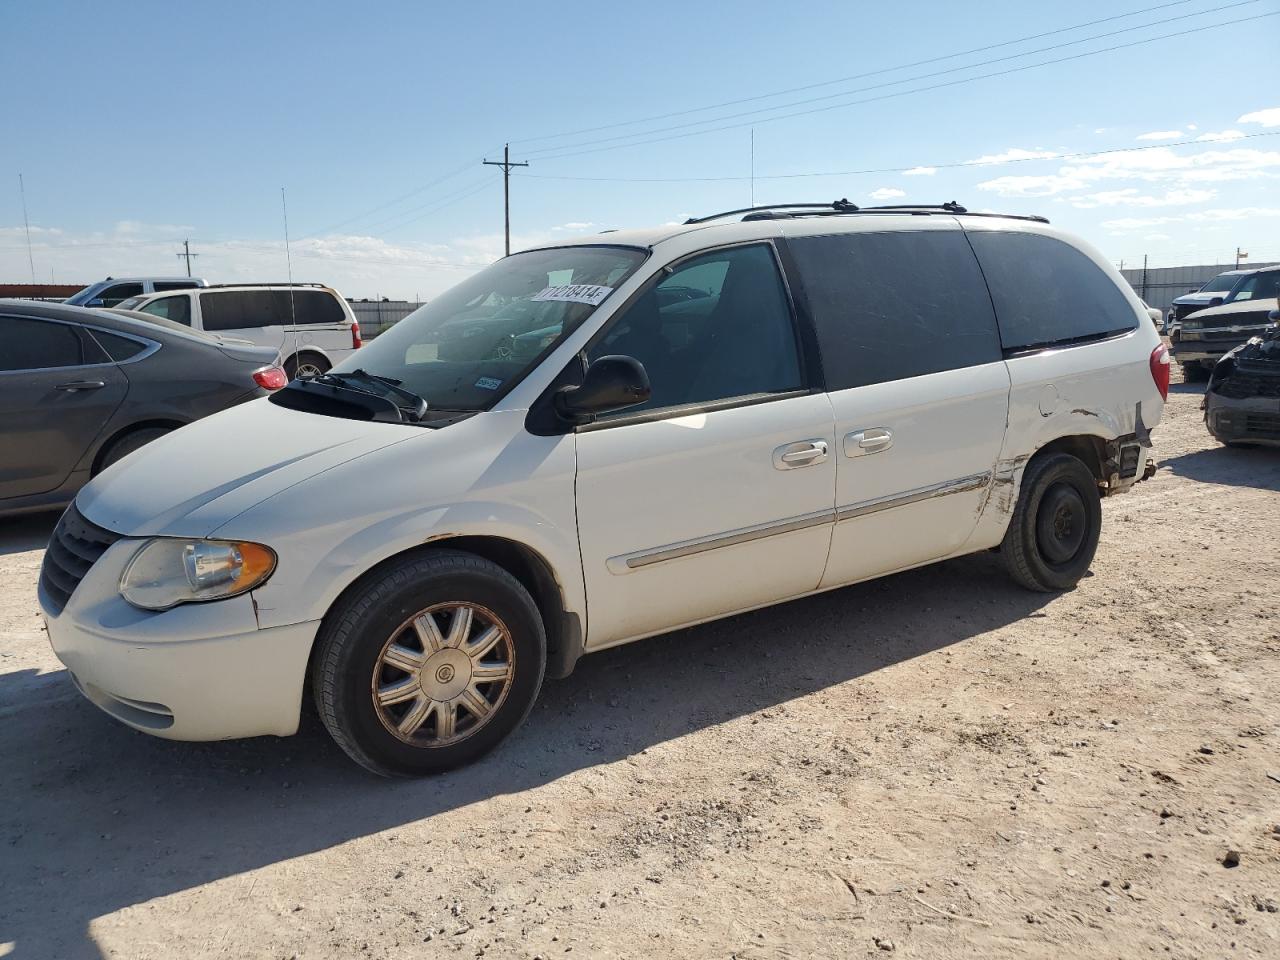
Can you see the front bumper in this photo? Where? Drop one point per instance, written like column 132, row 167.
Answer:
column 1254, row 420
column 197, row 672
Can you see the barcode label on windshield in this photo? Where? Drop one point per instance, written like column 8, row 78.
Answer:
column 588, row 293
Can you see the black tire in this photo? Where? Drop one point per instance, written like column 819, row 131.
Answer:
column 346, row 667
column 1053, row 534
column 121, row 447
column 1194, row 372
column 308, row 361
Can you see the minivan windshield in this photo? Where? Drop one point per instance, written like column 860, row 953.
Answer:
column 468, row 346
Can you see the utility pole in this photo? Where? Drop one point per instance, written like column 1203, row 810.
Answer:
column 22, row 189
column 506, row 166
column 1144, row 278
column 186, row 252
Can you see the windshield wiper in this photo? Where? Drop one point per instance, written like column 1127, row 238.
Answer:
column 416, row 407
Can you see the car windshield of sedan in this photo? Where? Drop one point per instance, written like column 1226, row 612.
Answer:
column 467, row 347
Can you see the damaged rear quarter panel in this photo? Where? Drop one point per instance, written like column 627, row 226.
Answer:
column 1088, row 390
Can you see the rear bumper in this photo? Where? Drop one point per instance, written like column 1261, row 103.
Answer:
column 196, row 672
column 1255, row 420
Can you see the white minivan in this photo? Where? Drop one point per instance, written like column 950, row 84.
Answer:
column 713, row 417
column 311, row 325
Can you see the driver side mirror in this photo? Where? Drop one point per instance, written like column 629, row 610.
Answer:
column 1274, row 316
column 1216, row 301
column 95, row 302
column 610, row 383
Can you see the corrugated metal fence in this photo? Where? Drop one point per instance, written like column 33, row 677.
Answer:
column 1160, row 285
column 377, row 315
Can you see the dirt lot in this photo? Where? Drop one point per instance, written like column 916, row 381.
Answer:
column 933, row 765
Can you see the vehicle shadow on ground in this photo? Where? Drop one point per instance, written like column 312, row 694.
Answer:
column 95, row 817
column 30, row 531
column 1235, row 466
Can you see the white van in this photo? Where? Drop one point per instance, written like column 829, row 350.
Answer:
column 311, row 325
column 715, row 417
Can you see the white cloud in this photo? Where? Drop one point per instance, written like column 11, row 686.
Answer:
column 576, row 225
column 1157, row 236
column 1268, row 118
column 1015, row 153
column 920, row 172
column 1133, row 197
column 1160, row 135
column 1128, row 224
column 1160, row 165
column 887, row 193
column 1221, row 136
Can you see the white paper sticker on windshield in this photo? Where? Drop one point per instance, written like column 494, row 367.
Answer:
column 588, row 293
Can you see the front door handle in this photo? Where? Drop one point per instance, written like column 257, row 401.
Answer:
column 871, row 440
column 805, row 453
column 76, row 385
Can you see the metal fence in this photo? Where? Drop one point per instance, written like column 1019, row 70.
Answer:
column 1160, row 285
column 377, row 315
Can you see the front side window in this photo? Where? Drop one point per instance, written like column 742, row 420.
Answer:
column 177, row 309
column 467, row 347
column 1260, row 286
column 1047, row 293
column 717, row 327
column 39, row 344
column 897, row 304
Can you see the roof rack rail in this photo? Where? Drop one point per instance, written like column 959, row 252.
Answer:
column 781, row 211
column 282, row 283
column 837, row 206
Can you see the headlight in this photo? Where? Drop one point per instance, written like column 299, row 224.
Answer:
column 167, row 572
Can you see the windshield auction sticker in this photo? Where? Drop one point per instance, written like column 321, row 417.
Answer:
column 588, row 293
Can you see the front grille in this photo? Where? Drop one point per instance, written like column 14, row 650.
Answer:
column 1240, row 336
column 1242, row 386
column 75, row 546
column 1180, row 310
column 1263, row 425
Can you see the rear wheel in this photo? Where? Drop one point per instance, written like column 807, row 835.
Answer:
column 121, row 447
column 306, row 365
column 429, row 665
column 1053, row 534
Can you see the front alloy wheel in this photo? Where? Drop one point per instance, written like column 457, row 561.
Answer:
column 428, row 662
column 443, row 674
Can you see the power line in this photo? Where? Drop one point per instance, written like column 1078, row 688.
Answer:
column 856, row 76
column 506, row 164
column 877, row 170
column 891, row 83
column 903, row 93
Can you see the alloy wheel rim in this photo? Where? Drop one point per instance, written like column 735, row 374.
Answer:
column 442, row 674
column 308, row 370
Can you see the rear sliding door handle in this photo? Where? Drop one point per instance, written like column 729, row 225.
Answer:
column 871, row 440
column 805, row 453
column 77, row 385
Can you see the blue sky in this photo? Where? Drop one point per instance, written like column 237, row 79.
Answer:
column 135, row 125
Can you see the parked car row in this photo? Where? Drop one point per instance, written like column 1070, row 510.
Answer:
column 708, row 418
column 1227, row 312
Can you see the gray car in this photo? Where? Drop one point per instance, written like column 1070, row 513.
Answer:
column 82, row 388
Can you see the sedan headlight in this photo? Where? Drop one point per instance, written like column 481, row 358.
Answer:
column 166, row 572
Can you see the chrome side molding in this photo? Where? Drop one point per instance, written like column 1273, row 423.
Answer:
column 974, row 482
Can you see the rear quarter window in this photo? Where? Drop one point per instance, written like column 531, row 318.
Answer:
column 1048, row 293
column 893, row 305
column 245, row 309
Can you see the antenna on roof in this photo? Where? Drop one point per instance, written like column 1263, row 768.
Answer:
column 288, row 259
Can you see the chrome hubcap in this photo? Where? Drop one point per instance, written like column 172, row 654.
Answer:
column 443, row 673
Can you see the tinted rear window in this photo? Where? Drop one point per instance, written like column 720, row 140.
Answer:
column 888, row 306
column 37, row 344
column 120, row 348
column 242, row 309
column 162, row 285
column 1047, row 292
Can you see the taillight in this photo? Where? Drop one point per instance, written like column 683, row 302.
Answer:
column 1160, row 370
column 356, row 342
column 273, row 378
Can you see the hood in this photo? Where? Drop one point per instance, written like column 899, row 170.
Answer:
column 1200, row 296
column 189, row 482
column 1243, row 310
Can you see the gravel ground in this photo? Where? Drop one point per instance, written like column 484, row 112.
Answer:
column 933, row 765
